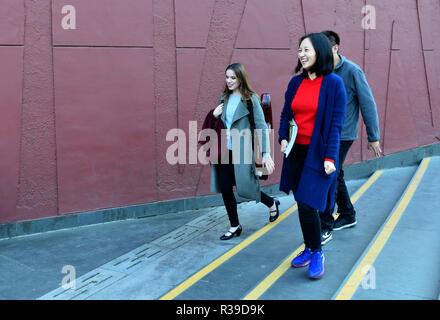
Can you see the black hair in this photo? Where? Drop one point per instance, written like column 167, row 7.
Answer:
column 333, row 37
column 324, row 55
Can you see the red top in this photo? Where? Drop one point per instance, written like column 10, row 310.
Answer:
column 304, row 108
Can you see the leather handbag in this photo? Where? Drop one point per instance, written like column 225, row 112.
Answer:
column 267, row 110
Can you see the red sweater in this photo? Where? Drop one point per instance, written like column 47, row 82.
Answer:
column 304, row 108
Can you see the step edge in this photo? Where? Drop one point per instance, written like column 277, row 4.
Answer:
column 379, row 231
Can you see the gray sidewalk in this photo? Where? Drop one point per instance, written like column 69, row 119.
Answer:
column 31, row 266
column 129, row 259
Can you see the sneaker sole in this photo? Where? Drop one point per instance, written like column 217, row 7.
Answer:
column 345, row 226
column 321, row 274
column 301, row 265
column 318, row 276
column 326, row 240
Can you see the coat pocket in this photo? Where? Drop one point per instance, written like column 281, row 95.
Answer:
column 316, row 154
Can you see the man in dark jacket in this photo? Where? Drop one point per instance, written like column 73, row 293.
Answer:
column 359, row 97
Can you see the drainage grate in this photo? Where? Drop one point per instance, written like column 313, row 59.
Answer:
column 177, row 237
column 209, row 220
column 113, row 271
column 86, row 285
column 135, row 258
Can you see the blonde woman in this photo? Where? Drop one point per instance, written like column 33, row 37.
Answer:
column 234, row 114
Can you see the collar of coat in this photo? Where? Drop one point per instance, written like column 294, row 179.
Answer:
column 341, row 62
column 240, row 112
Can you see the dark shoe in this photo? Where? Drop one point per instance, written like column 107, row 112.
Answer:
column 344, row 221
column 277, row 203
column 326, row 236
column 228, row 235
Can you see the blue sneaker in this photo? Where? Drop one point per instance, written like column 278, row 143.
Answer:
column 302, row 259
column 316, row 267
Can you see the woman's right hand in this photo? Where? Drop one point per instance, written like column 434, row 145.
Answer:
column 283, row 145
column 218, row 111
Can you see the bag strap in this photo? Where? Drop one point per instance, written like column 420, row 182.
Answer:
column 251, row 119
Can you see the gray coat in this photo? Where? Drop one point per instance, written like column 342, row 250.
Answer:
column 359, row 96
column 248, row 185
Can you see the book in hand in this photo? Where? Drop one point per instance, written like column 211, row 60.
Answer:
column 293, row 130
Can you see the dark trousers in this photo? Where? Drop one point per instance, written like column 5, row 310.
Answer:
column 345, row 207
column 308, row 217
column 226, row 179
column 310, row 226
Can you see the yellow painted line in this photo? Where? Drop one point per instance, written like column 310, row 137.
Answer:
column 350, row 287
column 286, row 264
column 365, row 186
column 273, row 277
column 219, row 261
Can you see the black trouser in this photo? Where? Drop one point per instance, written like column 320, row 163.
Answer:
column 310, row 226
column 342, row 197
column 226, row 180
column 308, row 217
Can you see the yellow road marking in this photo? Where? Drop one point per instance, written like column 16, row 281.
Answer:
column 285, row 265
column 226, row 256
column 273, row 277
column 348, row 290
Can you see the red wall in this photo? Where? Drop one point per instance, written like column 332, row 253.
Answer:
column 84, row 113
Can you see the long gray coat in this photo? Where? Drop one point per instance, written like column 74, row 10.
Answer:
column 248, row 185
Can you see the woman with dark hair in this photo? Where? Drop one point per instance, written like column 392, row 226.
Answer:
column 233, row 115
column 315, row 100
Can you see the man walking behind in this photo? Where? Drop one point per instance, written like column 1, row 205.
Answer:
column 359, row 97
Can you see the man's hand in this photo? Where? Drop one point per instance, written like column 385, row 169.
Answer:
column 375, row 146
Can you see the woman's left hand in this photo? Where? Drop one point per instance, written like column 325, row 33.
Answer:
column 329, row 167
column 268, row 164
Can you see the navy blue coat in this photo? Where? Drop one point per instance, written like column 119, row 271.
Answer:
column 315, row 184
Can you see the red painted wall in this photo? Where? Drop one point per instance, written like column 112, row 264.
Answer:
column 84, row 112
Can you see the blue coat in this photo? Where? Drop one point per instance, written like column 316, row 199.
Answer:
column 315, row 184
